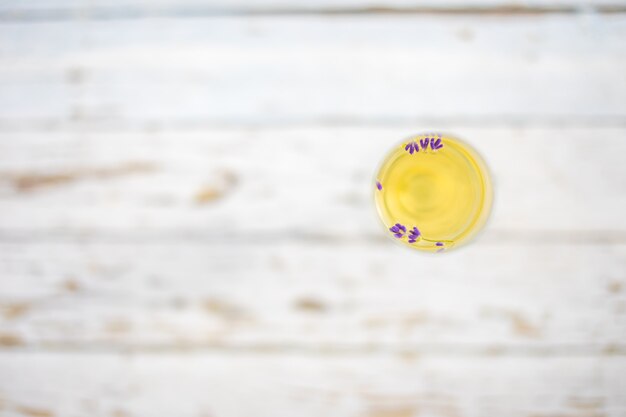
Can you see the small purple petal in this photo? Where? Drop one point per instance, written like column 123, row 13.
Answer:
column 408, row 145
column 402, row 227
column 379, row 185
column 398, row 235
column 411, row 240
column 438, row 244
column 394, row 229
column 437, row 142
column 412, row 149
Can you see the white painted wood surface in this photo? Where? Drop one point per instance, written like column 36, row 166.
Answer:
column 310, row 181
column 553, row 298
column 64, row 9
column 186, row 226
column 314, row 69
column 243, row 384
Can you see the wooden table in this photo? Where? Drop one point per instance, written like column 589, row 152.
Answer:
column 186, row 225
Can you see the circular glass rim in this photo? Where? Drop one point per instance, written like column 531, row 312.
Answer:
column 485, row 215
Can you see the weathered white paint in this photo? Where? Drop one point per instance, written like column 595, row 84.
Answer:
column 185, row 230
column 551, row 183
column 278, row 70
column 136, row 8
column 171, row 293
column 253, row 384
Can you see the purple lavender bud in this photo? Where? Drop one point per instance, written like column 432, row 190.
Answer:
column 414, row 234
column 408, row 145
column 438, row 244
column 435, row 144
column 379, row 186
column 398, row 230
column 424, row 143
column 412, row 149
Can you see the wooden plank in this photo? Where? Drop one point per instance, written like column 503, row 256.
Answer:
column 38, row 9
column 267, row 385
column 311, row 69
column 509, row 299
column 309, row 182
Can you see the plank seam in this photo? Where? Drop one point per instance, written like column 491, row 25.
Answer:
column 47, row 15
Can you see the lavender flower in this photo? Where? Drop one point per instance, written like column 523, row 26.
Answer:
column 379, row 186
column 412, row 147
column 436, row 144
column 424, row 143
column 438, row 244
column 414, row 234
column 398, row 230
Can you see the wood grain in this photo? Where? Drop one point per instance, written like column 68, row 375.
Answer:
column 546, row 299
column 359, row 386
column 273, row 70
column 186, row 225
column 551, row 184
column 94, row 9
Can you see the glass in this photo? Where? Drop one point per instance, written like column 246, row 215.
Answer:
column 433, row 192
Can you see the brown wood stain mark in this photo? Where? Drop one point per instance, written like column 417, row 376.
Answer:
column 118, row 326
column 614, row 350
column 392, row 412
column 208, row 194
column 34, row 412
column 14, row 310
column 495, row 350
column 574, row 414
column 25, row 182
column 523, row 327
column 586, row 404
column 10, row 340
column 70, row 285
column 310, row 305
column 519, row 324
column 224, row 310
column 412, row 320
column 375, row 322
column 615, row 287
column 224, row 184
column 408, row 356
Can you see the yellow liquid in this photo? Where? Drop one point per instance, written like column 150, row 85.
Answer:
column 446, row 193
